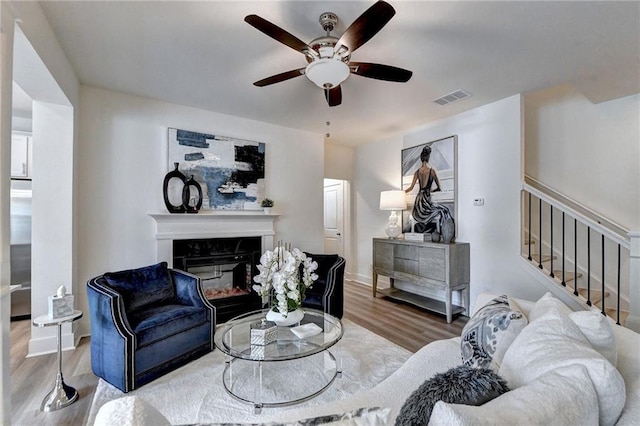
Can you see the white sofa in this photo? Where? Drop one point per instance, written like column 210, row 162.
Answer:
column 438, row 357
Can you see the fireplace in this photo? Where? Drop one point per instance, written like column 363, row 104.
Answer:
column 226, row 267
column 223, row 248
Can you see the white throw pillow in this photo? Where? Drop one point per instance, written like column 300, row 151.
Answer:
column 374, row 416
column 552, row 341
column 129, row 411
column 561, row 397
column 489, row 333
column 545, row 304
column 598, row 331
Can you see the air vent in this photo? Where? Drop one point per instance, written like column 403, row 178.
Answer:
column 456, row 96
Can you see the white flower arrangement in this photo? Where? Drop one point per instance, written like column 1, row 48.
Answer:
column 281, row 270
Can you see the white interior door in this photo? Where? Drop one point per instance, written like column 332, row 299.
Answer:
column 334, row 216
column 19, row 155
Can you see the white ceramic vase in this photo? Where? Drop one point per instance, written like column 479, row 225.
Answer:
column 293, row 317
column 267, row 210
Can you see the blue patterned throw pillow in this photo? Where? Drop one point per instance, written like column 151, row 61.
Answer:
column 489, row 333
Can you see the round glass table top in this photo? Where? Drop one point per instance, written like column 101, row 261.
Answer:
column 234, row 337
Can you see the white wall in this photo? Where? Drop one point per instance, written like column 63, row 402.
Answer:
column 52, row 217
column 123, row 152
column 587, row 152
column 46, row 75
column 52, row 234
column 376, row 168
column 6, row 66
column 43, row 71
column 37, row 30
column 489, row 166
column 338, row 162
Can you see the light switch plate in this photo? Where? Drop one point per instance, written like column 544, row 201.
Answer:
column 478, row 201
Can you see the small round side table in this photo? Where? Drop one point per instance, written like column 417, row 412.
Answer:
column 61, row 395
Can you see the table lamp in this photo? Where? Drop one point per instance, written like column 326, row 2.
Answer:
column 393, row 200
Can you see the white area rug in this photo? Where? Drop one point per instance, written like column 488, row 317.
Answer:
column 195, row 394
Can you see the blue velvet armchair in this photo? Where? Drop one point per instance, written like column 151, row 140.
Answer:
column 327, row 293
column 147, row 322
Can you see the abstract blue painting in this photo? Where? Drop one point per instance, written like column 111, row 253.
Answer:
column 230, row 171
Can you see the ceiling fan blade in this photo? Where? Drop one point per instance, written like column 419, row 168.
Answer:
column 366, row 25
column 279, row 77
column 380, row 72
column 277, row 33
column 333, row 96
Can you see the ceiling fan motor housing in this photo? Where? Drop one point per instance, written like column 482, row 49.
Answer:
column 328, row 20
column 325, row 47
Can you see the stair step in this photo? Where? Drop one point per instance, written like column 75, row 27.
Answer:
column 596, row 295
column 612, row 312
column 545, row 257
column 568, row 276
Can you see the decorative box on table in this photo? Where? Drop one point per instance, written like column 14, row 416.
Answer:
column 257, row 352
column 60, row 305
column 263, row 332
column 414, row 236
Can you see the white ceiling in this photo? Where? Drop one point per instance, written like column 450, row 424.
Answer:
column 203, row 54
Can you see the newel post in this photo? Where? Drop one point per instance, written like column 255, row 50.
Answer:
column 633, row 320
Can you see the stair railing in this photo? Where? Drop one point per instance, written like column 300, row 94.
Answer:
column 606, row 230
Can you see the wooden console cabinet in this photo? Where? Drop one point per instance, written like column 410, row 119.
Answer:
column 436, row 266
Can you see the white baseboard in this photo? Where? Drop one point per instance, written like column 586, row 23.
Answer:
column 361, row 279
column 49, row 344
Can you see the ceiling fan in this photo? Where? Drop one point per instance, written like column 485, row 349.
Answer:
column 329, row 57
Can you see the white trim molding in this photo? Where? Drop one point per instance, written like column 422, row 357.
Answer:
column 211, row 224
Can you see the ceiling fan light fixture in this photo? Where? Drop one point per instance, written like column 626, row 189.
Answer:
column 327, row 73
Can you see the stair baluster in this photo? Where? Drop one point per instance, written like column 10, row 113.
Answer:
column 588, row 265
column 604, row 294
column 540, row 232
column 551, row 238
column 575, row 257
column 618, row 294
column 529, row 228
column 564, row 283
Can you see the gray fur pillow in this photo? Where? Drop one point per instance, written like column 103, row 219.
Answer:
column 459, row 385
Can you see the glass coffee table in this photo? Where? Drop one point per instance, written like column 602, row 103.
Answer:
column 287, row 371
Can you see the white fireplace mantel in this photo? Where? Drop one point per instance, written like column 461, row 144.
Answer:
column 211, row 224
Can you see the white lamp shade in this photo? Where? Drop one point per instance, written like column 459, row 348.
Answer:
column 393, row 200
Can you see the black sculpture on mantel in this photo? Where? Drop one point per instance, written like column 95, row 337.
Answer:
column 173, row 174
column 191, row 207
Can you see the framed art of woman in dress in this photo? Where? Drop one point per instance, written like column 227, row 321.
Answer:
column 429, row 179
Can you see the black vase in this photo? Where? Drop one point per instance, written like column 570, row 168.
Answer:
column 186, row 196
column 173, row 174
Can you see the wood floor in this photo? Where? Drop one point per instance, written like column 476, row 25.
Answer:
column 33, row 378
column 405, row 325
